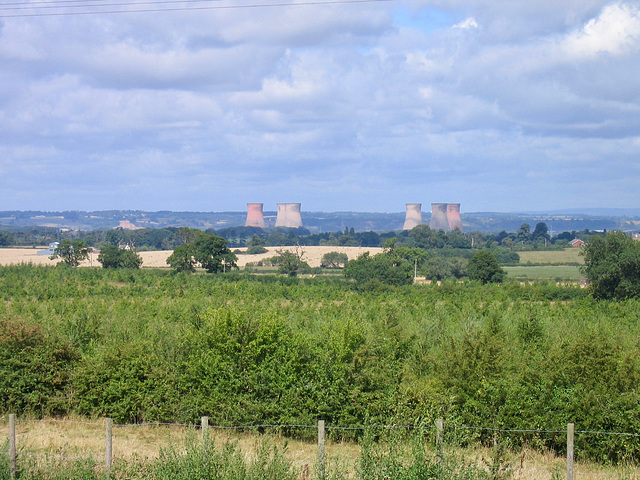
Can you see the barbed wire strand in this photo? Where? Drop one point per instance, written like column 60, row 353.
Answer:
column 327, row 427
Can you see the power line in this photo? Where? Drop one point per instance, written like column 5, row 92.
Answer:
column 83, row 3
column 159, row 2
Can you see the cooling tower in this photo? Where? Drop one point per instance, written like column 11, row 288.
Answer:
column 453, row 216
column 439, row 217
column 289, row 215
column 413, row 216
column 254, row 215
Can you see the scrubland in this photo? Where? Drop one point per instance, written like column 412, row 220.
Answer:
column 507, row 365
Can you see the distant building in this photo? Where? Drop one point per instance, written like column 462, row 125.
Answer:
column 576, row 242
column 51, row 250
column 636, row 236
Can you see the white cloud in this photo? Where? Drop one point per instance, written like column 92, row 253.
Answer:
column 467, row 24
column 616, row 31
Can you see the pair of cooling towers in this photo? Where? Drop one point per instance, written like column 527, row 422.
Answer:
column 288, row 215
column 444, row 216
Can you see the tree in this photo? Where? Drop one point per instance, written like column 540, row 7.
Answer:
column 182, row 259
column 379, row 269
column 438, row 268
column 212, row 253
column 334, row 260
column 5, row 239
column 187, row 235
column 290, row 262
column 524, row 233
column 484, row 266
column 541, row 231
column 71, row 253
column 424, row 237
column 255, row 245
column 612, row 266
column 114, row 257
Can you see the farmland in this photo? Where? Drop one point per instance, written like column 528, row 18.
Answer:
column 153, row 346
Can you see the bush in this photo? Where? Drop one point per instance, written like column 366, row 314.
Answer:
column 334, row 260
column 381, row 268
column 114, row 257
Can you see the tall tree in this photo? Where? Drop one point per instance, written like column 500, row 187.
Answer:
column 524, row 233
column 181, row 259
column 71, row 253
column 484, row 266
column 612, row 266
column 212, row 253
column 541, row 231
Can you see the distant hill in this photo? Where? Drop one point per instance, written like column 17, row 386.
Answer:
column 594, row 212
column 557, row 221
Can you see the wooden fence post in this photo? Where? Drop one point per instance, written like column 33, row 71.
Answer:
column 13, row 464
column 204, row 425
column 108, row 455
column 439, row 438
column 570, row 453
column 321, row 453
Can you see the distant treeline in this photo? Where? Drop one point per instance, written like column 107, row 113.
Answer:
column 421, row 236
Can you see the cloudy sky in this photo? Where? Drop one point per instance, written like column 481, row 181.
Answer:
column 501, row 105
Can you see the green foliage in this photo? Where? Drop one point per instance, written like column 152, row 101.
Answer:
column 438, row 268
column 402, row 456
column 208, row 251
column 71, row 253
column 182, row 259
column 290, row 263
column 227, row 462
column 612, row 266
column 505, row 256
column 114, row 257
column 6, row 238
column 334, row 260
column 128, row 383
column 369, row 271
column 256, row 250
column 484, row 267
column 212, row 253
column 35, row 369
column 141, row 345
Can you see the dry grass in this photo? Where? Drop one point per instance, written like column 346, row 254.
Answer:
column 158, row 259
column 81, row 439
column 77, row 438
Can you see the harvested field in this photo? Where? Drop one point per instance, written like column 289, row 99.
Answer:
column 158, row 259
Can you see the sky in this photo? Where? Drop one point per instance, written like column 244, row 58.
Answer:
column 499, row 105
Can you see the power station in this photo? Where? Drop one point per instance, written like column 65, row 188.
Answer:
column 445, row 216
column 453, row 216
column 413, row 216
column 439, row 217
column 289, row 215
column 255, row 217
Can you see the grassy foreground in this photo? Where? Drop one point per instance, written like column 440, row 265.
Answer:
column 75, row 449
column 53, row 449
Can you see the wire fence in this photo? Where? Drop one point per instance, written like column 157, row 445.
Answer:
column 437, row 430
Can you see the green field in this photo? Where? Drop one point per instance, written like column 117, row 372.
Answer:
column 552, row 257
column 544, row 272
